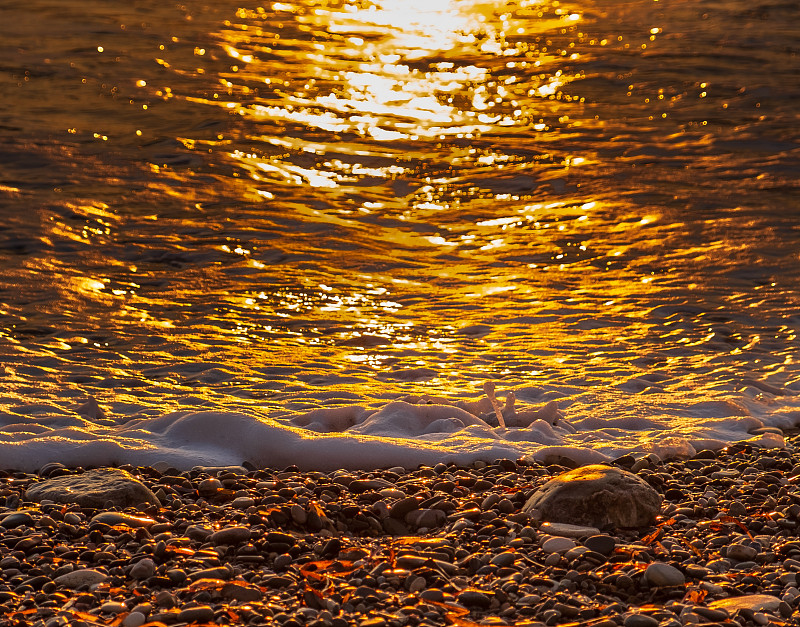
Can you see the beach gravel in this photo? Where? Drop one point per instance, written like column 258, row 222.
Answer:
column 420, row 547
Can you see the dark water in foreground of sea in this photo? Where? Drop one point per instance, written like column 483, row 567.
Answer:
column 299, row 204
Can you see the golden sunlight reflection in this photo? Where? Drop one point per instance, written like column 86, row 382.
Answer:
column 381, row 73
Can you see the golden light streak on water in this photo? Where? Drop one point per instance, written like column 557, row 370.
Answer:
column 383, row 72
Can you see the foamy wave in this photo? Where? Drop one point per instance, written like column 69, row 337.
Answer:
column 407, row 432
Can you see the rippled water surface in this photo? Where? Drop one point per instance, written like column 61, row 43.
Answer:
column 284, row 205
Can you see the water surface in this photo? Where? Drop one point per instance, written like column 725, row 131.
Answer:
column 276, row 207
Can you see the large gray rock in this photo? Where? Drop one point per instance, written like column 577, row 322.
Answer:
column 596, row 495
column 94, row 488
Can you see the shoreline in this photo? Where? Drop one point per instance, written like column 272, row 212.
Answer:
column 437, row 545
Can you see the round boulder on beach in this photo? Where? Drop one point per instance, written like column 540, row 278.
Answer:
column 94, row 488
column 596, row 495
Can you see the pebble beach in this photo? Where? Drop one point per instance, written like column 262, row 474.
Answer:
column 432, row 546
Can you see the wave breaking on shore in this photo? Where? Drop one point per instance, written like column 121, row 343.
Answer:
column 406, row 432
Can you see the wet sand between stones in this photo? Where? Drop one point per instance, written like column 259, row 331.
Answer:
column 431, row 546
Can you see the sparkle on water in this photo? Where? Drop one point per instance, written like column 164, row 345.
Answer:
column 311, row 203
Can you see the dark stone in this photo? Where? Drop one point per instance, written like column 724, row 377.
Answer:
column 199, row 614
column 230, row 535
column 394, row 527
column 404, row 506
column 640, row 620
column 17, row 519
column 474, row 598
column 603, row 544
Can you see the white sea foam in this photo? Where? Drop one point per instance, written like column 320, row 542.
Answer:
column 406, row 432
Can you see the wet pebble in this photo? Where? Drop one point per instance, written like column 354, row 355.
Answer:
column 134, row 619
column 640, row 620
column 143, row 569
column 660, row 574
column 601, row 543
column 557, row 545
column 474, row 598
column 230, row 535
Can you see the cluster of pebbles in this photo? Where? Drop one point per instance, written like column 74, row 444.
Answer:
column 432, row 546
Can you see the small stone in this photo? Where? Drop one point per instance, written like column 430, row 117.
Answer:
column 218, row 572
column 198, row 614
column 715, row 615
column 598, row 496
column 661, row 574
column 737, row 509
column 415, row 584
column 752, row 602
column 230, row 535
column 429, row 518
column 49, row 468
column 566, row 530
column 299, row 514
column 697, row 572
column 213, row 470
column 134, row 619
column 164, row 598
column 198, row 532
column 143, row 608
column 364, row 485
column 394, row 527
column 557, row 544
column 640, row 620
column 176, row 576
column 741, row 552
column 504, row 559
column 601, row 543
column 403, row 507
column 575, row 553
column 474, row 598
column 17, row 519
column 143, row 569
column 209, row 486
column 243, row 502
column 94, row 488
column 278, row 581
column 81, row 577
column 113, row 607
column 71, row 518
column 432, row 594
column 282, row 561
column 118, row 518
column 241, row 591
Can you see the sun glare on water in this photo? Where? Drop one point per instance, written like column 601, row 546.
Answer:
column 396, row 72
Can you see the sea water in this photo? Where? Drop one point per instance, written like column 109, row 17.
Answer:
column 312, row 232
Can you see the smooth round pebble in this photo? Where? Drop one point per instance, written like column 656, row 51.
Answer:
column 600, row 543
column 81, row 577
column 231, row 535
column 143, row 569
column 134, row 619
column 558, row 544
column 640, row 620
column 661, row 574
